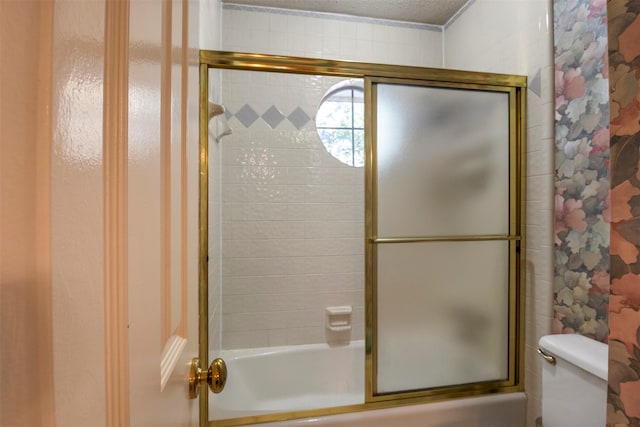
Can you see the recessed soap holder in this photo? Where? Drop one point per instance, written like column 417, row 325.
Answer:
column 338, row 318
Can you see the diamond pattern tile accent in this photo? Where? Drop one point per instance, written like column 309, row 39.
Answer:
column 298, row 118
column 228, row 114
column 273, row 117
column 535, row 84
column 246, row 115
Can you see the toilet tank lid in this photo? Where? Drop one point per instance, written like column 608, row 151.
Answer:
column 588, row 354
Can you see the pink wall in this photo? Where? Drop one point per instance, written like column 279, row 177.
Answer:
column 26, row 378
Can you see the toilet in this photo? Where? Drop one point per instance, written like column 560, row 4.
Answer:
column 574, row 381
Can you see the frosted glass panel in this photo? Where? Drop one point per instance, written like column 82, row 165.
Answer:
column 443, row 161
column 442, row 314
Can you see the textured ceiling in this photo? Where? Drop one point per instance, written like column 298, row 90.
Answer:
column 436, row 12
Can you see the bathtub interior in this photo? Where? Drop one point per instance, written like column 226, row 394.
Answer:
column 282, row 379
column 313, row 376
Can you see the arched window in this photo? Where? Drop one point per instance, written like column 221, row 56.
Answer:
column 340, row 122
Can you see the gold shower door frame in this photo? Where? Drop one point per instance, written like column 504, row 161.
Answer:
column 514, row 86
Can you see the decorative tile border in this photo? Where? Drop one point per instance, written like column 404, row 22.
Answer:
column 273, row 117
column 298, row 118
column 247, row 115
column 581, row 283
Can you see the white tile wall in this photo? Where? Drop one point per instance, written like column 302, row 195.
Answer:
column 292, row 220
column 316, row 35
column 515, row 36
column 292, row 216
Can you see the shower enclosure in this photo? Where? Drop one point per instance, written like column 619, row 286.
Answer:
column 361, row 235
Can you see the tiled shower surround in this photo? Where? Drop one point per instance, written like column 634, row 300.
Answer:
column 292, row 217
column 504, row 36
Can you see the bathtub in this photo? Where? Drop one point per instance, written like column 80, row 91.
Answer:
column 282, row 379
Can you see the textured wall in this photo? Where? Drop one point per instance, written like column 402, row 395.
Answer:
column 624, row 309
column 581, row 283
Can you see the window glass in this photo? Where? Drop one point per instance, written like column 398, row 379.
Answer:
column 340, row 122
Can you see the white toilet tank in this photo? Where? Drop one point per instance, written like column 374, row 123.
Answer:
column 574, row 389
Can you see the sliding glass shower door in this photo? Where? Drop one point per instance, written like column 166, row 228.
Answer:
column 372, row 218
column 442, row 237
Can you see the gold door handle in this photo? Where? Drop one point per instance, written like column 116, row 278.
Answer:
column 215, row 376
column 549, row 358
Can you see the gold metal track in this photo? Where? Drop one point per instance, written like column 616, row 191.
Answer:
column 329, row 67
column 485, row 238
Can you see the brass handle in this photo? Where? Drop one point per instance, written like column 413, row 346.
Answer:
column 215, row 376
column 549, row 358
column 218, row 375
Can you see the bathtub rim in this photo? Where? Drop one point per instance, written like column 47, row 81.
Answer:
column 472, row 407
column 362, row 407
column 384, row 401
column 356, row 405
column 245, row 353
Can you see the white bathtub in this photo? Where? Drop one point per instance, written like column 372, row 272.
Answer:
column 279, row 379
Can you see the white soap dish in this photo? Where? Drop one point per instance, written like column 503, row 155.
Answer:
column 338, row 318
